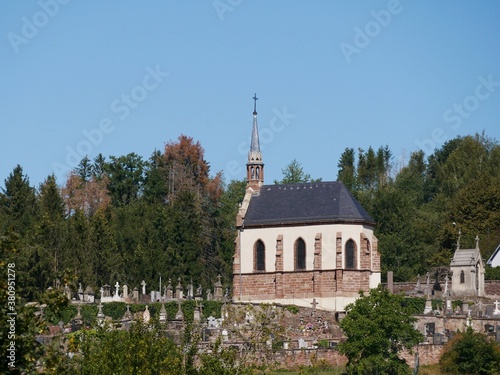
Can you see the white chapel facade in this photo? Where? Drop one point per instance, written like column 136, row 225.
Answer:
column 303, row 243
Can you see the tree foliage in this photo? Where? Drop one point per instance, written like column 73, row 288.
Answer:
column 470, row 352
column 294, row 173
column 126, row 219
column 378, row 327
column 415, row 204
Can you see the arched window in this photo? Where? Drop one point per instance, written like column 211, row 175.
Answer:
column 259, row 252
column 350, row 254
column 462, row 277
column 300, row 254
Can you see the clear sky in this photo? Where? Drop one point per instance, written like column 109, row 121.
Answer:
column 114, row 77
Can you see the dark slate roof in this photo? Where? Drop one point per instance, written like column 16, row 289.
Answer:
column 319, row 202
column 465, row 257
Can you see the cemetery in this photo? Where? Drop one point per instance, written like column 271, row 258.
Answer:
column 295, row 335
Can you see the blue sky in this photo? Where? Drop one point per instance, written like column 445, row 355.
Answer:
column 118, row 77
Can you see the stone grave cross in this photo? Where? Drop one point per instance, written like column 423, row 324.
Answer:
column 314, row 303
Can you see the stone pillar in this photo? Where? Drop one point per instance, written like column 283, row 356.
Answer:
column 339, row 250
column 279, row 292
column 338, row 272
column 318, row 265
column 237, row 291
column 390, row 282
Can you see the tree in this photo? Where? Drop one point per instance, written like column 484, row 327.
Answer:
column 378, row 327
column 347, row 170
column 143, row 349
column 50, row 229
column 470, row 353
column 126, row 177
column 85, row 195
column 184, row 166
column 294, row 173
column 18, row 201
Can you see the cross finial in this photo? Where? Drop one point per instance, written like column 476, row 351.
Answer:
column 255, row 103
column 477, row 242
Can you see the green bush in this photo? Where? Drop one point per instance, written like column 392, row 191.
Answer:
column 470, row 353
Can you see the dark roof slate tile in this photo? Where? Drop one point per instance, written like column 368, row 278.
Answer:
column 304, row 203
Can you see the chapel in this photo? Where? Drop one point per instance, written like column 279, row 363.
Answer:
column 467, row 272
column 302, row 244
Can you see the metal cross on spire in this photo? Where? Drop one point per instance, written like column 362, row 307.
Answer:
column 255, row 103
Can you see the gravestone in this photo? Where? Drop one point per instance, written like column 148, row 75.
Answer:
column 497, row 310
column 88, row 295
column 163, row 314
column 100, row 315
column 314, row 303
column 128, row 315
column 143, row 285
column 489, row 310
column 80, row 292
column 303, row 344
column 209, row 295
column 125, row 290
column 170, row 293
column 179, row 315
column 428, row 306
column 199, row 293
column 196, row 314
column 135, row 294
column 178, row 289
column 449, row 308
column 465, row 308
column 146, row 315
column 67, row 292
column 218, row 289
column 480, row 309
column 190, row 291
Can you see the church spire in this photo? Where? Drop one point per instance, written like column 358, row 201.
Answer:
column 254, row 145
column 255, row 166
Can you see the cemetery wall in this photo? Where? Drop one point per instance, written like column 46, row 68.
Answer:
column 491, row 288
column 428, row 354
